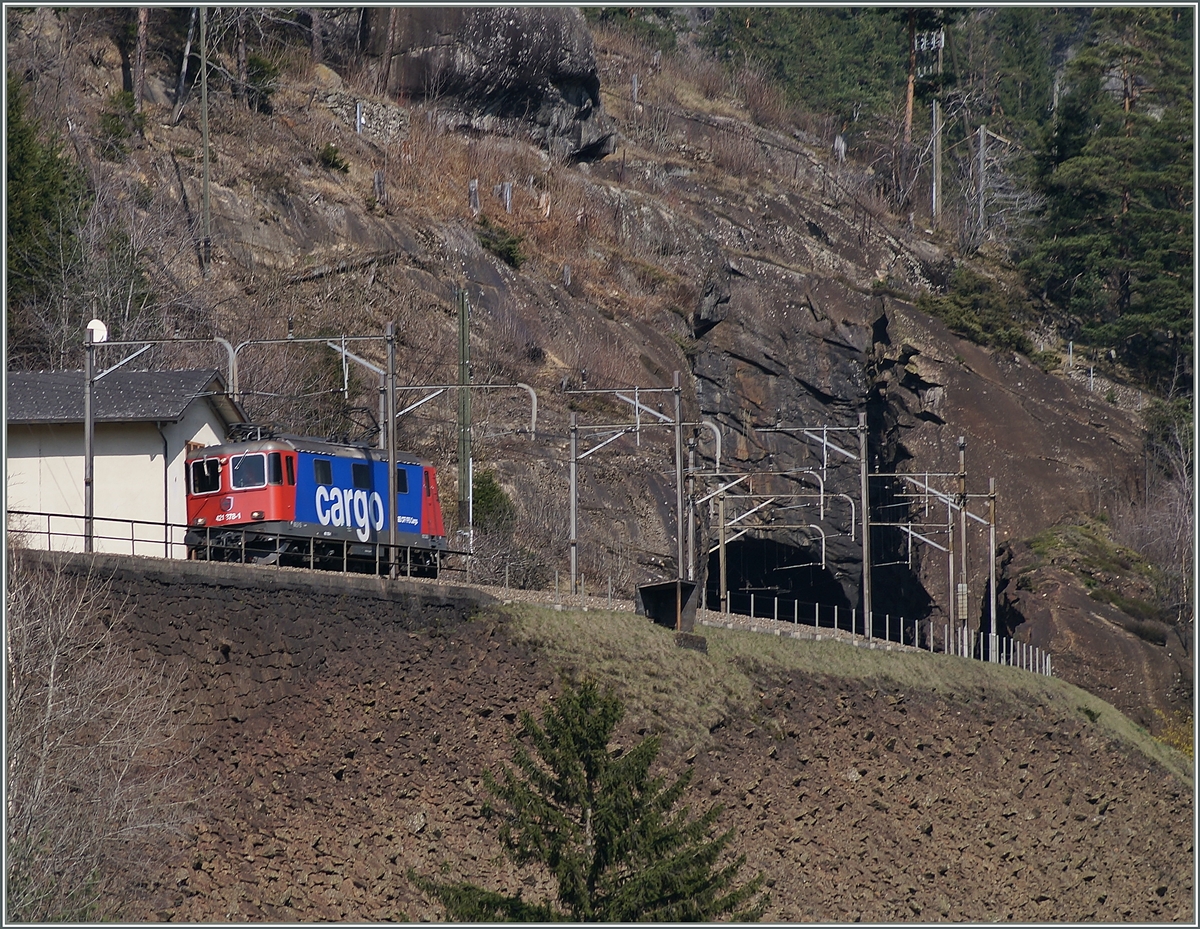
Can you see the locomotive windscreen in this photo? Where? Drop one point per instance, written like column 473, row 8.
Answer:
column 249, row 471
column 205, row 476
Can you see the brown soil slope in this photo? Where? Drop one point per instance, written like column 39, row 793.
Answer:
column 860, row 796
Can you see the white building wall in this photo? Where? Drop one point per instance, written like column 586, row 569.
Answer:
column 139, row 488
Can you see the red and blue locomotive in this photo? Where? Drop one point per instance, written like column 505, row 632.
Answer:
column 307, row 502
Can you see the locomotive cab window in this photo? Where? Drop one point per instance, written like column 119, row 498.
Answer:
column 428, row 489
column 275, row 468
column 322, row 471
column 291, row 470
column 249, row 471
column 360, row 473
column 205, row 476
column 401, row 481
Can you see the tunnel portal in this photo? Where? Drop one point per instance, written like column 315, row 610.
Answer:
column 769, row 569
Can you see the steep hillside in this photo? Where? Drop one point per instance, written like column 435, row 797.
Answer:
column 614, row 243
column 338, row 740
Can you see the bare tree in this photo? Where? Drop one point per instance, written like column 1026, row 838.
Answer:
column 139, row 62
column 95, row 767
column 318, row 53
column 240, row 90
column 180, row 99
column 122, row 262
column 1160, row 526
column 389, row 50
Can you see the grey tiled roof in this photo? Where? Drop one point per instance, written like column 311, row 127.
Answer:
column 122, row 396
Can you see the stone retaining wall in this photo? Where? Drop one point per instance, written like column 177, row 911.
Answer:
column 247, row 636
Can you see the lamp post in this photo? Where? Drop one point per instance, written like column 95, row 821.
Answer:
column 88, row 500
column 94, row 332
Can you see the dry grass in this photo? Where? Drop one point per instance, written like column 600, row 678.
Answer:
column 763, row 98
column 706, row 75
column 737, row 155
column 683, row 694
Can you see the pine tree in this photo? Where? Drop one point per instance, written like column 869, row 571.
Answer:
column 608, row 831
column 1117, row 173
column 42, row 192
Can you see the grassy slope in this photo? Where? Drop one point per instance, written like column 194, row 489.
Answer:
column 684, row 694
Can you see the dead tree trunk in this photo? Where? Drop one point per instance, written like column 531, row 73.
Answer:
column 139, row 60
column 910, row 84
column 242, row 90
column 318, row 51
column 187, row 53
column 389, row 50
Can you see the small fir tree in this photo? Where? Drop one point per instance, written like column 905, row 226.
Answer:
column 606, row 829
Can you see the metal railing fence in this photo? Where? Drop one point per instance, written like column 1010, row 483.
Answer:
column 921, row 635
column 110, row 535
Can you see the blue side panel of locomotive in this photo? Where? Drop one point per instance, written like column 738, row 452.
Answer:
column 347, row 494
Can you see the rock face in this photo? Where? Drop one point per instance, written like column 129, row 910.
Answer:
column 1141, row 666
column 513, row 69
column 772, row 290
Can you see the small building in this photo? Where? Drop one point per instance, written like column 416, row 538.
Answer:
column 145, row 422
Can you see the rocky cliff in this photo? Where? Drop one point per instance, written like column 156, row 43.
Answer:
column 670, row 234
column 514, row 69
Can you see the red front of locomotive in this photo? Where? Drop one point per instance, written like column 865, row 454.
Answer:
column 431, row 506
column 235, row 485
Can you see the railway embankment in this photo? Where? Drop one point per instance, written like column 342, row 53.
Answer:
column 341, row 727
column 251, row 635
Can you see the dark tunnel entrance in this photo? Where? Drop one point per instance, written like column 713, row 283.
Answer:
column 769, row 579
column 778, row 580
